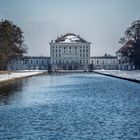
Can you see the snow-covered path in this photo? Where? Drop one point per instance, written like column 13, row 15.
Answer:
column 19, row 74
column 132, row 75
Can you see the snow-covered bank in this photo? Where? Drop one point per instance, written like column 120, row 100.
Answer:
column 128, row 75
column 19, row 74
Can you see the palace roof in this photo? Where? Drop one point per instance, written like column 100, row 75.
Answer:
column 70, row 38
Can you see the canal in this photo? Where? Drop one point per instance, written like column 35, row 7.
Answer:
column 80, row 106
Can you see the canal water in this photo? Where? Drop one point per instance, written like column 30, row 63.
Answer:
column 80, row 106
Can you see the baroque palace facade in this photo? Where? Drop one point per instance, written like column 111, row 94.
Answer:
column 71, row 52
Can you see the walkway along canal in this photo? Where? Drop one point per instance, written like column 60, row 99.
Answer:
column 76, row 106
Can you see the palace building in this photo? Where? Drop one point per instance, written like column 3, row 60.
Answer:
column 70, row 52
column 106, row 62
column 30, row 63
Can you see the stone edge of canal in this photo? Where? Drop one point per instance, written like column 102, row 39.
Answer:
column 119, row 77
column 21, row 77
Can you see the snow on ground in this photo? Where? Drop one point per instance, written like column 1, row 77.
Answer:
column 124, row 74
column 18, row 74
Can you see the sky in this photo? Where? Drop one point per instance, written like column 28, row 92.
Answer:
column 101, row 22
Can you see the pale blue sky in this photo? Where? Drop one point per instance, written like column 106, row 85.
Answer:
column 101, row 22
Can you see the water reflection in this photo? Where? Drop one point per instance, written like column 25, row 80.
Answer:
column 8, row 91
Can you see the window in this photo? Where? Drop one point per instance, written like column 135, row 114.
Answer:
column 113, row 61
column 119, row 61
column 64, row 49
column 36, row 61
column 97, row 61
column 75, row 49
column 69, row 49
column 83, row 61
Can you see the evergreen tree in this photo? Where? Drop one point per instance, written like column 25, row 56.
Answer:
column 11, row 43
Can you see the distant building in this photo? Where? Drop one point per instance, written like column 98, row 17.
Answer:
column 30, row 63
column 124, row 62
column 70, row 52
column 106, row 62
